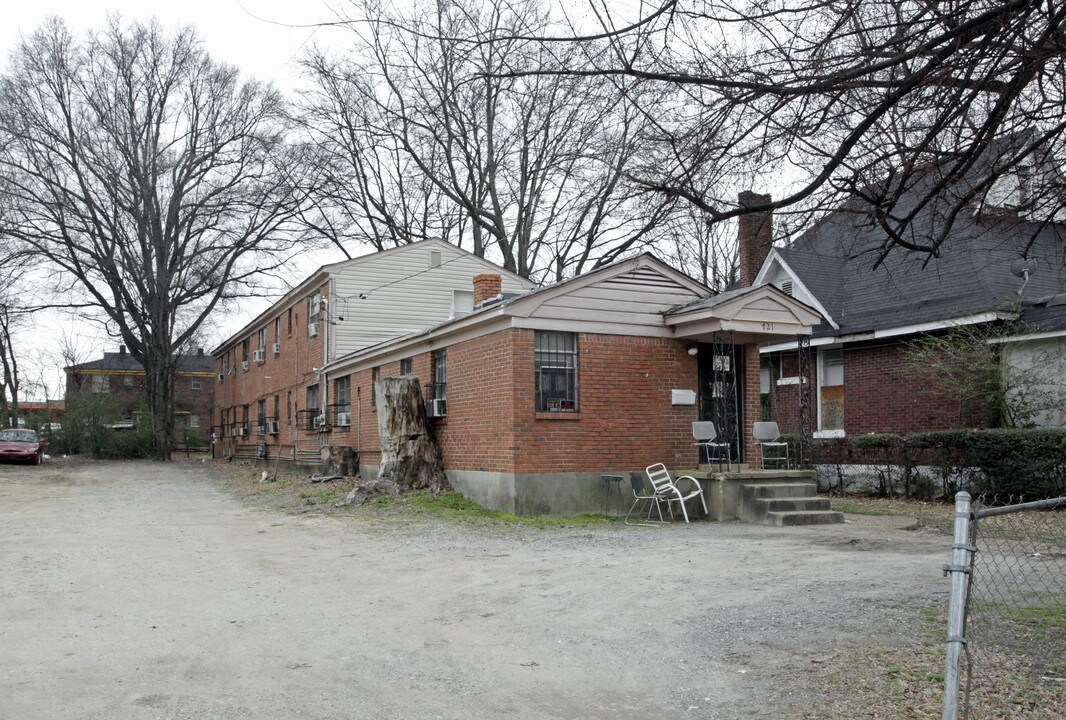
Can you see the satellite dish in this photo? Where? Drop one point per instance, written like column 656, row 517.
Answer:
column 1023, row 267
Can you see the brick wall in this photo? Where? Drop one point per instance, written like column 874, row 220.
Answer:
column 127, row 391
column 289, row 372
column 625, row 419
column 755, row 236
column 880, row 395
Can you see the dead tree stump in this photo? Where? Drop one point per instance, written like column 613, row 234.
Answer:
column 339, row 460
column 410, row 456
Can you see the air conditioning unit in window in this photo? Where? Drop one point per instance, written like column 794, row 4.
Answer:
column 244, row 365
column 242, row 431
column 344, row 419
column 319, row 421
column 260, row 430
column 222, row 377
column 277, row 348
column 438, row 407
column 272, row 427
column 312, row 330
column 260, row 356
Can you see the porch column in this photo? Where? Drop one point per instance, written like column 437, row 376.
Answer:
column 752, row 405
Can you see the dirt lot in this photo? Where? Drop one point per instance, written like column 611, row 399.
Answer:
column 139, row 590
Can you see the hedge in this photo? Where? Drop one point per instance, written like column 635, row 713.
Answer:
column 1029, row 463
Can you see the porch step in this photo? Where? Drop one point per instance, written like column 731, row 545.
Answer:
column 785, row 504
column 794, row 518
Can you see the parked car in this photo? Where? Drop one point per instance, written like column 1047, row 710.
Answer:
column 21, row 444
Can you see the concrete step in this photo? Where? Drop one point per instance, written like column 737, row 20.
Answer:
column 794, row 518
column 779, row 490
column 792, row 504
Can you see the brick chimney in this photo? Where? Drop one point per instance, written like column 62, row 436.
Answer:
column 487, row 286
column 121, row 350
column 755, row 235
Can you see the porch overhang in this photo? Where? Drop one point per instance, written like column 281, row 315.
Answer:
column 751, row 315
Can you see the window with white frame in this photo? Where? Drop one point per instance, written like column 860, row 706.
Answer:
column 555, row 367
column 196, row 384
column 101, row 384
column 831, row 390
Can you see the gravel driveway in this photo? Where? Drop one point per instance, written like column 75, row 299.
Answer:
column 142, row 590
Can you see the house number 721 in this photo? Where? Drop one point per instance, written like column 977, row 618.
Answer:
column 768, row 327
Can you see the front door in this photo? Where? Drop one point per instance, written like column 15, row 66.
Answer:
column 720, row 376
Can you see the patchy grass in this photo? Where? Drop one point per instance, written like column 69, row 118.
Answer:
column 930, row 514
column 292, row 492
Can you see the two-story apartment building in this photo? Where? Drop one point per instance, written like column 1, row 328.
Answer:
column 273, row 396
column 120, row 377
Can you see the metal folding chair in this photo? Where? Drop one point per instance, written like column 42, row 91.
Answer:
column 640, row 495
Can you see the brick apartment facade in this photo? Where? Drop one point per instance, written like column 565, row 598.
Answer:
column 121, row 378
column 630, row 360
column 272, row 396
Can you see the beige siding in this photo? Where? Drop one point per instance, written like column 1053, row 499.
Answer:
column 403, row 294
column 634, row 300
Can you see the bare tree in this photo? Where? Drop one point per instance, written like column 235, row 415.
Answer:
column 152, row 177
column 428, row 135
column 911, row 112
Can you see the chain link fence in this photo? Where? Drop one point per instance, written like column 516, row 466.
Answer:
column 1007, row 619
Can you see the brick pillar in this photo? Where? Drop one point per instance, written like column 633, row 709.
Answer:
column 486, row 287
column 752, row 404
column 755, row 236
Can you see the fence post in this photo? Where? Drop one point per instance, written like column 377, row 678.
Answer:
column 959, row 569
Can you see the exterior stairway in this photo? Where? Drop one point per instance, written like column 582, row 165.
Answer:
column 785, row 504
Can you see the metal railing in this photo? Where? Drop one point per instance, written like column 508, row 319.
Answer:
column 1006, row 647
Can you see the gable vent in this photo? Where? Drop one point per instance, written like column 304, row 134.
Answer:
column 786, row 287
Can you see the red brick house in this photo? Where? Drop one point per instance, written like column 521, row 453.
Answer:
column 535, row 396
column 996, row 267
column 121, row 378
column 273, row 395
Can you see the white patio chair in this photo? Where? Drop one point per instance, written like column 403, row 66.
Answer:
column 768, row 436
column 640, row 494
column 667, row 488
column 706, row 436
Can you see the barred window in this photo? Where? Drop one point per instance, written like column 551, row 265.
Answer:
column 407, row 366
column 555, row 364
column 440, row 375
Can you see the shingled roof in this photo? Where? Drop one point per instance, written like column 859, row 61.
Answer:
column 123, row 362
column 837, row 261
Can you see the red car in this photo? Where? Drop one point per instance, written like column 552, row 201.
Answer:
column 19, row 444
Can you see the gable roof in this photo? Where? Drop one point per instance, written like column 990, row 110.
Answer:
column 323, row 273
column 835, row 260
column 123, row 362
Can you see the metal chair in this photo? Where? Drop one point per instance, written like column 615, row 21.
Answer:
column 641, row 495
column 706, row 436
column 768, row 436
column 667, row 489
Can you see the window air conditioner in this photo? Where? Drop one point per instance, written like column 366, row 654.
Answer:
column 260, row 356
column 319, row 421
column 243, row 432
column 438, row 407
column 222, row 377
column 272, row 427
column 260, row 430
column 277, row 348
column 344, row 419
column 312, row 330
column 244, row 365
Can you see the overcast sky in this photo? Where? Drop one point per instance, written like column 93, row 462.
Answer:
column 261, row 37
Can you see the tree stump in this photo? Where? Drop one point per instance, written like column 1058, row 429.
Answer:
column 410, row 456
column 339, row 460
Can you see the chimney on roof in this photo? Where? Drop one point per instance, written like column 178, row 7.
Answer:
column 487, row 286
column 121, row 350
column 755, row 236
column 199, row 352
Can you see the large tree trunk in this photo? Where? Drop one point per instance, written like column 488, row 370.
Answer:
column 410, row 456
column 159, row 383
